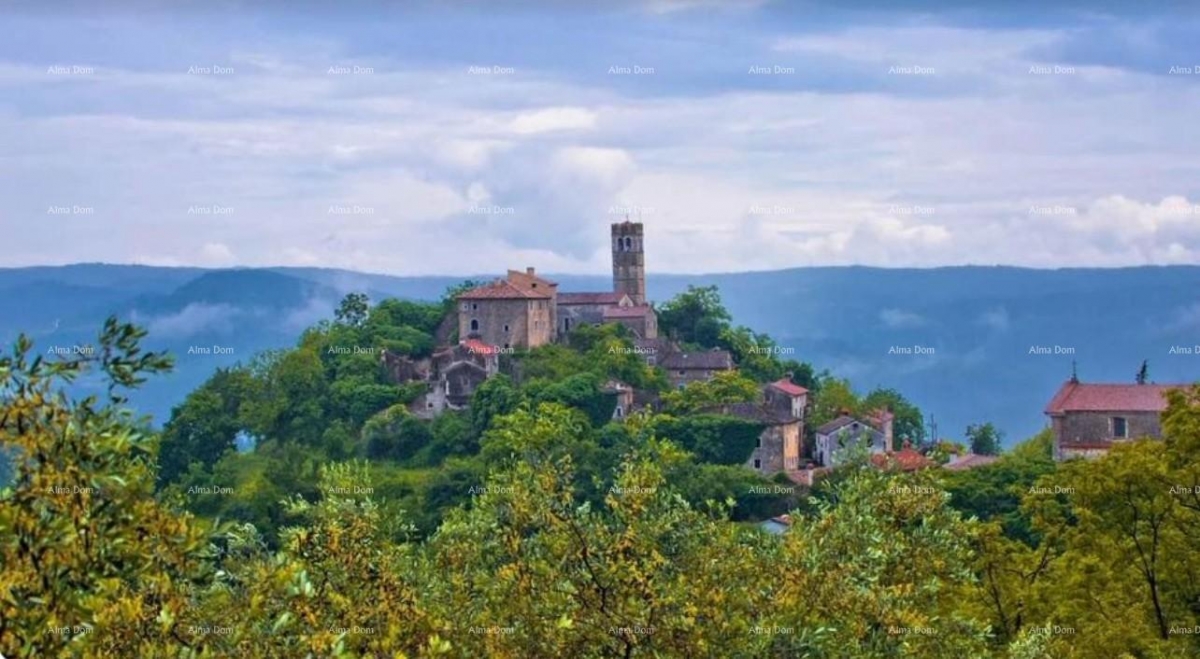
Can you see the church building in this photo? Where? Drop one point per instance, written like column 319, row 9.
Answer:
column 524, row 310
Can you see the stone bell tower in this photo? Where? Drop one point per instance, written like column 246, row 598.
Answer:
column 629, row 260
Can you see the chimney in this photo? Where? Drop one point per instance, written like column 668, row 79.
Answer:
column 788, row 376
column 529, row 271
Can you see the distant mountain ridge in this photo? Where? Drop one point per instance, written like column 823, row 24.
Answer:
column 958, row 341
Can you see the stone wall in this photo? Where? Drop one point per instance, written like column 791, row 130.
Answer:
column 529, row 322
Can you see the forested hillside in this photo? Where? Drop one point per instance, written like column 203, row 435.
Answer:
column 293, row 506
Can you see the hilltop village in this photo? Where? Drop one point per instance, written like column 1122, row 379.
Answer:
column 524, row 310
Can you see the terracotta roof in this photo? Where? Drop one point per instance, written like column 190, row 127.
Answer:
column 788, row 387
column 906, row 459
column 1076, row 396
column 627, row 312
column 502, row 289
column 970, row 461
column 475, row 346
column 714, row 360
column 606, row 298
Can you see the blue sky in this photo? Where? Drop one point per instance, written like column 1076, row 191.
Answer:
column 1042, row 134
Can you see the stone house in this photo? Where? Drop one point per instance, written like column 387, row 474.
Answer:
column 833, row 437
column 781, row 411
column 683, row 368
column 1087, row 419
column 519, row 311
column 455, row 373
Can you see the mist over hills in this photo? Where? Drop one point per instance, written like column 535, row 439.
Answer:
column 957, row 341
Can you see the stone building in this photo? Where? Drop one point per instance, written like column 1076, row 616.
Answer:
column 629, row 260
column 780, row 411
column 454, row 374
column 519, row 311
column 1087, row 419
column 579, row 309
column 837, row 435
column 686, row 367
column 523, row 310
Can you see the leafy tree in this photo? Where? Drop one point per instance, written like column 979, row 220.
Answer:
column 725, row 388
column 395, row 434
column 909, row 423
column 496, row 396
column 353, row 309
column 984, row 438
column 696, row 316
column 836, row 397
column 90, row 563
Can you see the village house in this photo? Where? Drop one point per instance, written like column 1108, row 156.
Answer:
column 454, row 375
column 1087, row 419
column 835, row 436
column 781, row 412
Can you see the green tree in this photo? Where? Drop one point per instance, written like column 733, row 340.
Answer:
column 696, row 316
column 909, row 423
column 984, row 438
column 353, row 309
column 90, row 563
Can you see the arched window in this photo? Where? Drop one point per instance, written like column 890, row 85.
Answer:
column 474, row 325
column 628, row 243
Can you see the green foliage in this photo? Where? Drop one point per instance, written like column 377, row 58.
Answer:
column 353, row 309
column 909, row 423
column 395, row 434
column 696, row 317
column 984, row 438
column 713, row 438
column 725, row 388
column 836, row 397
column 88, row 559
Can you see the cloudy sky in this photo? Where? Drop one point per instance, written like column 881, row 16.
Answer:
column 451, row 138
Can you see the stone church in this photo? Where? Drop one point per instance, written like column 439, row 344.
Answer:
column 524, row 310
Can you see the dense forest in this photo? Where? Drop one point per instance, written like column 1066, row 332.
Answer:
column 293, row 506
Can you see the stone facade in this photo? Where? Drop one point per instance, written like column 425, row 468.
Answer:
column 519, row 311
column 683, row 368
column 778, row 448
column 1087, row 419
column 629, row 260
column 453, row 376
column 834, row 437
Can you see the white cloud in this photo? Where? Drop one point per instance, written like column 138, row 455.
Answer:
column 553, row 119
column 901, row 319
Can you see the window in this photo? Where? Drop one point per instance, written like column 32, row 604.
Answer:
column 474, row 306
column 758, row 442
column 1120, row 427
column 474, row 325
column 757, row 463
column 628, row 243
column 567, row 324
column 506, row 328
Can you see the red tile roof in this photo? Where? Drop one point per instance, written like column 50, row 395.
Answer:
column 1076, row 396
column 906, row 459
column 788, row 387
column 477, row 347
column 607, row 297
column 516, row 286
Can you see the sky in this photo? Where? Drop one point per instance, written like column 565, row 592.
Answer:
column 459, row 138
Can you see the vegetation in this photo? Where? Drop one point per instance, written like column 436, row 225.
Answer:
column 532, row 526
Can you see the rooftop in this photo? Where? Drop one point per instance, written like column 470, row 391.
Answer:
column 707, row 360
column 788, row 387
column 605, row 298
column 516, row 286
column 1075, row 396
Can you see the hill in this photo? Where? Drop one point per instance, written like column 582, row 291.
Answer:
column 974, row 326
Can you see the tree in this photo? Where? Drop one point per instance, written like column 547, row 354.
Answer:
column 909, row 422
column 695, row 316
column 725, row 388
column 984, row 438
column 1143, row 374
column 90, row 563
column 836, row 397
column 353, row 309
